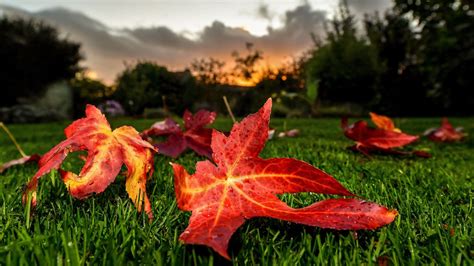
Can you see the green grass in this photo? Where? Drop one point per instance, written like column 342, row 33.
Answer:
column 433, row 196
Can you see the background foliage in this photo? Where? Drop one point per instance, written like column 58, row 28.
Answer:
column 146, row 84
column 33, row 55
column 417, row 59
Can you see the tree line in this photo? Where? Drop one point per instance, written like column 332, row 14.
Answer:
column 415, row 59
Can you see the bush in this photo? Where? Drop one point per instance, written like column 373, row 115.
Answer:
column 32, row 57
column 345, row 66
column 148, row 85
column 88, row 91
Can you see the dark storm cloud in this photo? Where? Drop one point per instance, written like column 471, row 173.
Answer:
column 106, row 48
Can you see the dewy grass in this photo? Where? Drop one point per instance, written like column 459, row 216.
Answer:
column 433, row 197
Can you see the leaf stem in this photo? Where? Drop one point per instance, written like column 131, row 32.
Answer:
column 228, row 109
column 12, row 138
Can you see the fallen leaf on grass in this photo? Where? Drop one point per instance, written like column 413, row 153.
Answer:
column 452, row 231
column 20, row 161
column 271, row 133
column 195, row 136
column 241, row 185
column 107, row 151
column 383, row 261
column 445, row 133
column 290, row 133
column 370, row 139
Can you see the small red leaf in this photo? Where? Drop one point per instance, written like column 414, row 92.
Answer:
column 107, row 151
column 163, row 128
column 195, row 136
column 376, row 139
column 445, row 133
column 242, row 186
column 23, row 160
column 201, row 119
column 290, row 133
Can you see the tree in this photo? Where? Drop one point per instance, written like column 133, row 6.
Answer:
column 446, row 51
column 345, row 65
column 402, row 86
column 246, row 66
column 147, row 85
column 88, row 91
column 284, row 84
column 209, row 71
column 32, row 57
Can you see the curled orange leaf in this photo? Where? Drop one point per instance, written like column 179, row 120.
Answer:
column 107, row 151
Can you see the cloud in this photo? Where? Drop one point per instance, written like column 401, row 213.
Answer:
column 296, row 32
column 106, row 49
column 162, row 36
column 361, row 7
column 263, row 11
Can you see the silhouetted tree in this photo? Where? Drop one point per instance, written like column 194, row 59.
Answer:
column 209, row 71
column 345, row 65
column 246, row 66
column 402, row 87
column 446, row 51
column 284, row 84
column 88, row 91
column 32, row 56
column 144, row 85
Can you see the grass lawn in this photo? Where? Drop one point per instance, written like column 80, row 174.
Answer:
column 434, row 199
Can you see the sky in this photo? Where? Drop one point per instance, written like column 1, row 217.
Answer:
column 174, row 32
column 184, row 16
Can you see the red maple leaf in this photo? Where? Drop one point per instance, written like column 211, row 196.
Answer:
column 107, row 151
column 290, row 133
column 242, row 185
column 445, row 133
column 195, row 136
column 370, row 139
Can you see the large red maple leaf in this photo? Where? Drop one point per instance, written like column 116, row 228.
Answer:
column 241, row 186
column 195, row 136
column 107, row 151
